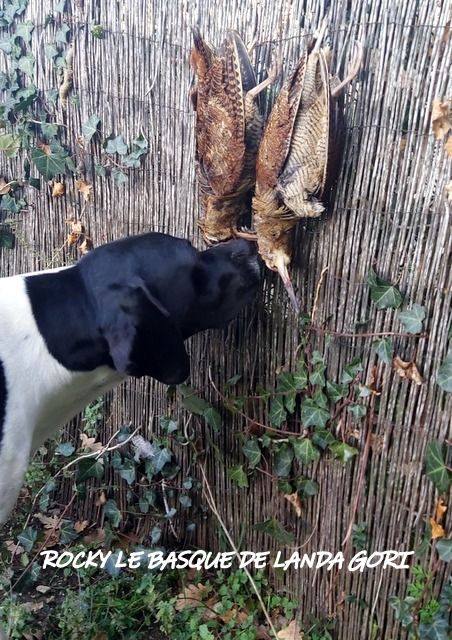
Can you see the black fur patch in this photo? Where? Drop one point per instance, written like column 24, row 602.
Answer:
column 3, row 395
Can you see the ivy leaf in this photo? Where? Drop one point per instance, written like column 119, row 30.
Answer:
column 27, row 538
column 317, row 376
column 275, row 529
column 384, row 349
column 49, row 163
column 10, row 145
column 7, row 239
column 213, row 418
column 50, row 51
column 26, row 64
column 323, row 438
column 89, row 468
column 161, row 458
column 436, row 467
column 444, row 377
column 238, row 475
column 277, row 412
column 300, row 376
column 252, row 451
column 343, row 451
column 90, row 127
column 336, row 392
column 383, row 293
column 24, row 31
column 168, row 425
column 67, row 532
column 49, row 129
column 437, row 629
column 61, row 34
column 112, row 513
column 127, row 471
column 307, row 487
column 444, row 549
column 119, row 177
column 185, row 501
column 357, row 410
column 351, row 370
column 116, row 145
column 65, row 449
column 155, row 535
column 312, row 415
column 283, row 460
column 192, row 402
column 305, row 451
column 413, row 318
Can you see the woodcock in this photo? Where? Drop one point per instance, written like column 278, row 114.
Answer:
column 228, row 131
column 294, row 157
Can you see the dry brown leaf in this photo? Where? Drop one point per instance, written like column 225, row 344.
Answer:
column 85, row 189
column 441, row 508
column 407, row 370
column 80, row 525
column 5, row 187
column 234, row 614
column 100, row 499
column 86, row 246
column 58, row 190
column 437, row 530
column 76, row 227
column 72, row 238
column 13, row 548
column 52, row 522
column 97, row 537
column 377, row 442
column 441, row 123
column 295, row 501
column 90, row 443
column 291, row 632
column 448, row 146
column 44, row 148
column 191, row 596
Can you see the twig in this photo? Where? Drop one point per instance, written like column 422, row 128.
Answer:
column 317, row 292
column 346, row 334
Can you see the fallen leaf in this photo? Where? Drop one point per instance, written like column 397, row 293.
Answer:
column 97, row 537
column 32, row 606
column 441, row 123
column 101, row 499
column 85, row 189
column 90, row 443
column 234, row 614
column 42, row 588
column 437, row 530
column 13, row 548
column 441, row 508
column 52, row 522
column 295, row 501
column 290, row 632
column 81, row 525
column 407, row 370
column 58, row 190
column 448, row 146
column 191, row 597
column 4, row 187
column 86, row 246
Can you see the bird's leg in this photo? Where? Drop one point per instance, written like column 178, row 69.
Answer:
column 246, row 235
column 353, row 71
column 273, row 73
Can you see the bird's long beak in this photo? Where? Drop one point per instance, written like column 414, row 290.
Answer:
column 284, row 273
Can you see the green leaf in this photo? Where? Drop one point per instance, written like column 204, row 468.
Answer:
column 90, row 127
column 438, row 629
column 336, row 392
column 283, row 459
column 50, row 51
column 185, row 501
column 24, row 31
column 26, row 64
column 252, row 451
column 116, row 145
column 49, row 164
column 61, row 34
column 444, row 376
column 9, row 144
column 300, row 376
column 49, row 129
column 27, row 538
column 413, row 318
column 100, row 170
column 89, row 468
column 65, row 449
column 351, row 370
column 127, row 471
column 161, row 459
column 7, row 239
column 357, row 410
column 275, row 529
column 304, row 450
column 343, row 451
column 323, row 438
column 119, row 177
column 238, row 475
column 312, row 415
column 384, row 349
column 436, row 467
column 155, row 534
column 192, row 402
column 317, row 376
column 143, row 505
column 277, row 412
column 35, row 183
column 444, row 549
column 307, row 487
column 168, row 425
column 384, row 294
column 213, row 418
column 112, row 513
column 67, row 532
column 204, row 633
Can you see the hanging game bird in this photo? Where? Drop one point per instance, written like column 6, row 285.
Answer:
column 228, row 131
column 294, row 157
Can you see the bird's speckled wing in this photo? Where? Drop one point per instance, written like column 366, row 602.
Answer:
column 303, row 178
column 220, row 119
column 275, row 142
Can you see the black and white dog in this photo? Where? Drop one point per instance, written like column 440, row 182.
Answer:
column 68, row 335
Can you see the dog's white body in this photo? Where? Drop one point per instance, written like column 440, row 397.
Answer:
column 42, row 394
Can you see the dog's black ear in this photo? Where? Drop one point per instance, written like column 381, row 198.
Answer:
column 141, row 337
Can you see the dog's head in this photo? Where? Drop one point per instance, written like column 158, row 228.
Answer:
column 154, row 291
